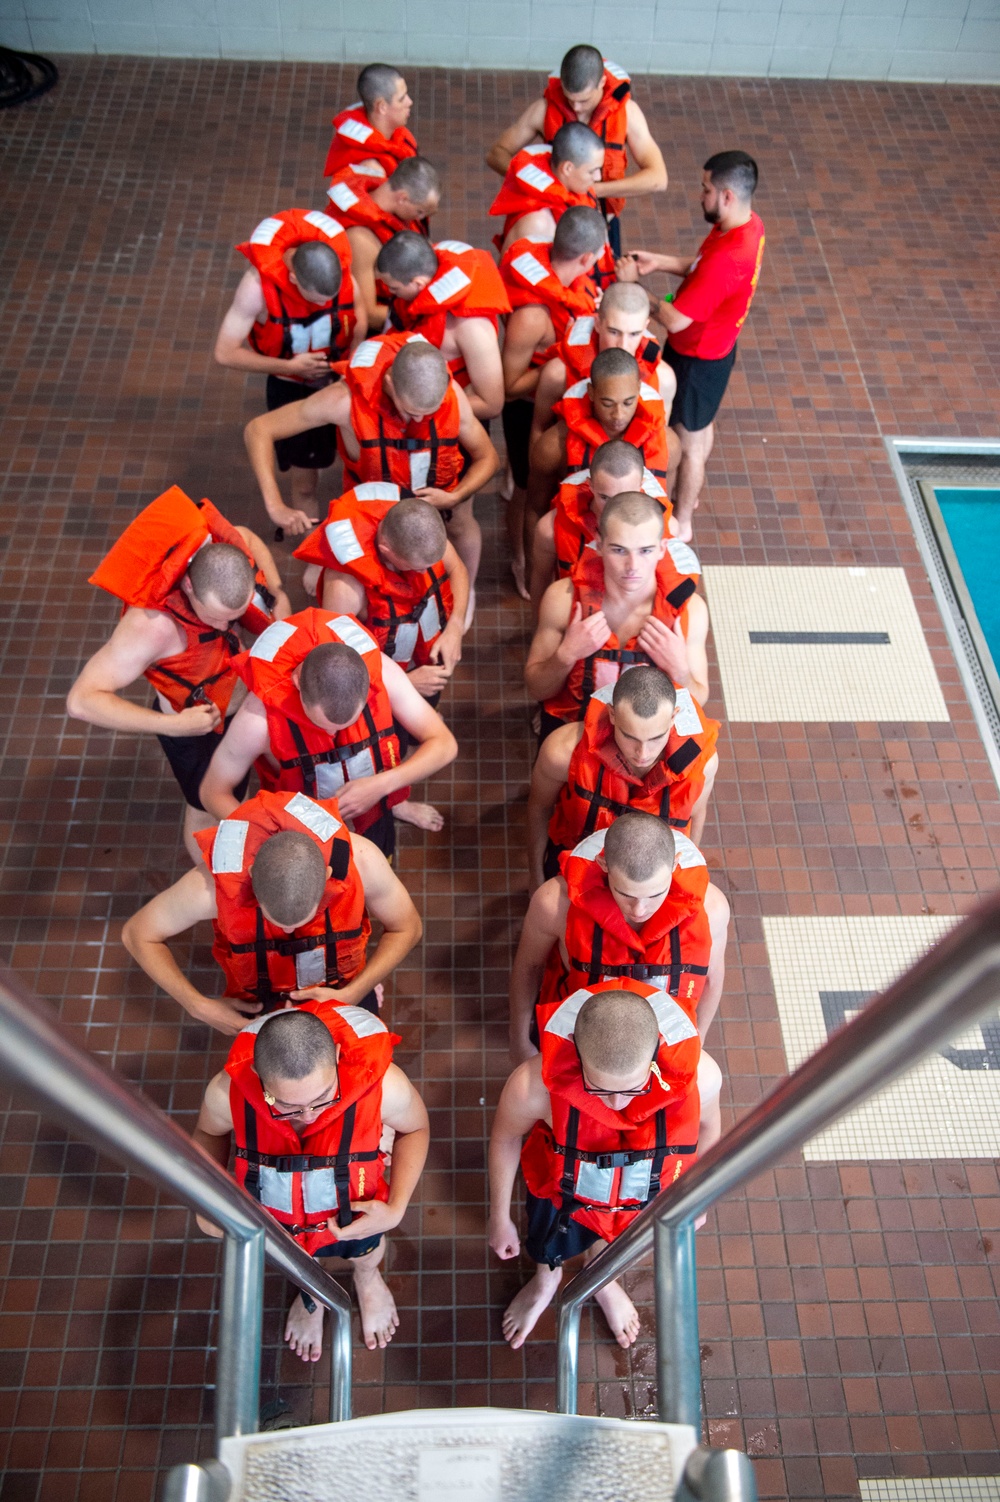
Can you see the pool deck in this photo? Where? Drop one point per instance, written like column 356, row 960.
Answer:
column 849, row 1312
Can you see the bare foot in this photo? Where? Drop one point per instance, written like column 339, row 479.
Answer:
column 470, row 612
column 379, row 1320
column 620, row 1313
column 517, row 568
column 423, row 815
column 522, row 1313
column 304, row 1331
column 683, row 531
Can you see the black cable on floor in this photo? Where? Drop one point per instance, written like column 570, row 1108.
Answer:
column 24, row 76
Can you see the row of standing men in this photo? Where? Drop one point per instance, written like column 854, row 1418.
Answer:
column 607, row 399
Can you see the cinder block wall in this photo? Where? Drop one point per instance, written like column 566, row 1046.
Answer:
column 954, row 41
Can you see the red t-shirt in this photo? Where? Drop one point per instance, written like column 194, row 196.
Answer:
column 717, row 291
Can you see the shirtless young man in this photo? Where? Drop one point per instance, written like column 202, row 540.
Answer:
column 371, row 137
column 371, row 215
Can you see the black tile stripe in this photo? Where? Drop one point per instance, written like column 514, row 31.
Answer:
column 819, row 638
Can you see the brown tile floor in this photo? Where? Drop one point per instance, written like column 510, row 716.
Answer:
column 849, row 1313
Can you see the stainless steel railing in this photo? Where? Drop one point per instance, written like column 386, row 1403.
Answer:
column 944, row 993
column 113, row 1116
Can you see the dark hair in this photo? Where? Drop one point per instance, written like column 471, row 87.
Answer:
column 290, row 1045
column 645, row 690
column 288, row 876
column 734, row 170
column 224, row 571
column 334, row 679
column 580, row 231
column 614, row 362
column 581, row 68
column 417, row 179
column 405, row 256
column 420, row 375
column 414, row 531
column 317, row 267
column 616, row 458
column 576, row 144
column 377, row 81
column 638, row 845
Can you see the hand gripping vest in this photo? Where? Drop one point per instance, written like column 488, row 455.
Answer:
column 306, row 1180
column 609, row 121
column 580, row 346
column 526, row 269
column 673, row 947
column 145, row 568
column 673, row 590
column 598, row 1165
column 467, row 284
column 411, row 452
column 584, row 434
column 310, row 760
column 294, row 324
column 355, row 140
column 350, row 199
column 601, row 785
column 405, row 612
column 261, row 962
column 574, row 523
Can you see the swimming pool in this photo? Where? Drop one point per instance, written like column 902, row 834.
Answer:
column 966, row 524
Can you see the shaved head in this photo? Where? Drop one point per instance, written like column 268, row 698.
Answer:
column 420, row 376
column 645, row 690
column 582, row 68
column 639, row 845
column 633, row 508
column 617, row 459
column 378, row 81
column 221, row 572
column 419, row 181
column 334, row 680
column 288, row 876
column 611, row 364
column 580, row 232
column 413, row 529
column 291, row 1045
column 624, row 297
column 617, row 1033
column 405, row 256
column 317, row 268
column 576, row 144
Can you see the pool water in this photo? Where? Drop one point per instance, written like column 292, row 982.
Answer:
column 973, row 521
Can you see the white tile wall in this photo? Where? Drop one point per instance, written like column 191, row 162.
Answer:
column 953, row 41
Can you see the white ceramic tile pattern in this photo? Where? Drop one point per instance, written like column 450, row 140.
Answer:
column 821, row 682
column 940, row 1109
column 931, row 1489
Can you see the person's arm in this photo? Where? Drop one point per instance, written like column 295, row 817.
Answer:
column 550, row 389
column 231, row 349
column 527, row 328
column 717, row 912
column 526, row 128
column 264, row 560
column 523, row 1101
column 536, row 224
column 669, row 317
column 344, row 594
column 544, row 924
column 189, row 901
column 485, row 461
column 141, row 638
column 477, row 343
column 543, row 559
column 365, row 247
column 331, row 405
column 647, row 156
column 646, row 262
column 709, row 1092
column 563, row 636
column 547, row 458
column 447, row 650
column 682, row 655
column 548, row 778
column 213, row 1133
column 390, row 904
column 239, row 748
column 404, row 1111
column 360, row 316
column 434, row 746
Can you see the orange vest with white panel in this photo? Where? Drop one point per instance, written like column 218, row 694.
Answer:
column 356, row 140
column 609, row 121
column 410, row 452
column 296, row 326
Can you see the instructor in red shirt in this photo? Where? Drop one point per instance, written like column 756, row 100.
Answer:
column 704, row 317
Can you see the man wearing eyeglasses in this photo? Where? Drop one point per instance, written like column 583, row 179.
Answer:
column 619, row 1102
column 307, row 1096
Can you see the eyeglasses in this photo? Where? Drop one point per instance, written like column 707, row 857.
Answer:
column 654, row 1071
column 322, row 1105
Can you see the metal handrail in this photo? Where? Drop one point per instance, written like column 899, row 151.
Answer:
column 941, row 995
column 114, row 1117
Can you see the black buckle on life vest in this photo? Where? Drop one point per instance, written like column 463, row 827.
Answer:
column 680, row 594
column 685, row 754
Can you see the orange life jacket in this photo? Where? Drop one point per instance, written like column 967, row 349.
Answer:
column 145, row 568
column 356, row 140
column 311, row 760
column 601, row 1166
column 526, row 269
column 261, row 962
column 600, row 784
column 405, row 612
column 673, row 947
column 580, row 346
column 673, row 590
column 305, row 1180
column 530, row 185
column 584, row 434
column 411, row 452
column 350, row 198
column 609, row 121
column 294, row 324
column 574, row 522
column 467, row 284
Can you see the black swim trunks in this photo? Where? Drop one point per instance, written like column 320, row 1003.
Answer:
column 314, row 449
column 189, row 756
column 701, row 385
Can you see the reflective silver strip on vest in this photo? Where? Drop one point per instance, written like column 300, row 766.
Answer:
column 578, row 389
column 686, row 720
column 318, row 820
column 227, row 849
column 580, row 477
column 674, row 1023
column 649, row 393
column 615, row 71
column 562, row 1023
column 406, row 642
column 594, row 1184
column 634, row 1181
column 363, row 1024
column 310, row 967
column 376, row 490
column 430, row 619
column 351, row 634
column 446, row 286
column 319, row 1191
column 686, row 853
column 605, row 694
column 685, row 559
column 581, row 331
column 530, row 267
column 420, row 465
column 457, row 247
column 540, row 148
column 265, row 232
column 651, row 485
column 324, row 223
column 341, row 195
column 354, row 130
column 275, row 1189
column 315, row 335
column 270, row 642
column 590, row 848
column 343, row 541
column 331, row 775
column 365, row 355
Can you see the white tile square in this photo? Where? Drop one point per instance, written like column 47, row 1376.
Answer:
column 788, row 681
column 946, row 1107
column 932, row 1489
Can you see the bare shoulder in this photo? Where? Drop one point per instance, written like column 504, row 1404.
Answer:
column 716, row 906
column 556, row 751
column 548, row 907
column 402, row 1107
column 216, row 1112
column 557, row 604
column 709, row 1079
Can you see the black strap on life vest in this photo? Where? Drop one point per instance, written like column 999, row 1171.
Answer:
column 625, row 657
column 567, row 1182
column 599, row 801
column 434, row 442
column 303, row 322
column 288, row 945
column 395, row 618
column 571, row 1155
column 307, row 761
column 342, row 1167
column 252, row 1181
column 596, row 969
